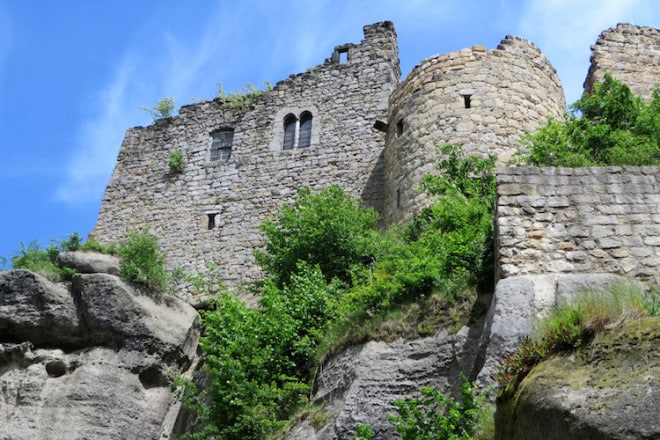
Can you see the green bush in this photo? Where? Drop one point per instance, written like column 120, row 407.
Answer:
column 162, row 110
column 176, row 162
column 436, row 416
column 319, row 288
column 363, row 432
column 610, row 126
column 142, row 261
column 261, row 359
column 329, row 229
column 44, row 261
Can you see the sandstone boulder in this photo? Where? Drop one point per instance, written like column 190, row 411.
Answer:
column 116, row 314
column 36, row 310
column 360, row 384
column 609, row 390
column 89, row 359
column 517, row 302
column 89, row 262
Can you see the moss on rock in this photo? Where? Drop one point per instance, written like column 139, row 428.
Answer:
column 607, row 390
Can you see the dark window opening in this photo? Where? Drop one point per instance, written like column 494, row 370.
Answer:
column 399, row 127
column 305, row 138
column 222, row 144
column 398, row 198
column 211, row 221
column 467, row 100
column 343, row 56
column 290, row 122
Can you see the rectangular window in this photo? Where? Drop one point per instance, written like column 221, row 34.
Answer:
column 221, row 145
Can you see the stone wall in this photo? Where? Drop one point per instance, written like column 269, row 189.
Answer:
column 630, row 53
column 210, row 212
column 510, row 91
column 577, row 220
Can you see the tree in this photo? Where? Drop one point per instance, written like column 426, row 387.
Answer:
column 610, row 126
column 329, row 229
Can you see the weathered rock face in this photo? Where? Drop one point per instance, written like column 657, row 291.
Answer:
column 90, row 361
column 517, row 302
column 360, row 384
column 89, row 262
column 610, row 390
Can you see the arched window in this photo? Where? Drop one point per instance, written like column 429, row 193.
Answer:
column 290, row 122
column 305, row 137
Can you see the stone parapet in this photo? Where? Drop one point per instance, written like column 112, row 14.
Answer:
column 577, row 220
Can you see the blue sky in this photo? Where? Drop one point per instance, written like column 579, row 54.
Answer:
column 73, row 73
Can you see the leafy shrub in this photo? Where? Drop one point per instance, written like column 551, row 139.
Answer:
column 44, row 261
column 573, row 325
column 261, row 359
column 457, row 229
column 329, row 229
column 363, row 432
column 176, row 161
column 142, row 261
column 615, row 128
column 162, row 110
column 436, row 416
column 320, row 288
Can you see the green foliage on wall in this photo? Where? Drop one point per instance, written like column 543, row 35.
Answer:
column 330, row 229
column 176, row 162
column 328, row 271
column 162, row 110
column 247, row 95
column 610, row 126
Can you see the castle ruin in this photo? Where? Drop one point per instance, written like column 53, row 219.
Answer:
column 349, row 121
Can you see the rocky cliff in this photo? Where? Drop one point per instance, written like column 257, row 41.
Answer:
column 89, row 359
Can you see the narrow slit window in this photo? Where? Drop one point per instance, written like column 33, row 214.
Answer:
column 467, row 101
column 222, row 144
column 343, row 56
column 290, row 123
column 305, row 130
column 399, row 127
column 212, row 218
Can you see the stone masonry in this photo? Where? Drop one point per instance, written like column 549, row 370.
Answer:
column 210, row 213
column 578, row 220
column 482, row 100
column 351, row 122
column 630, row 54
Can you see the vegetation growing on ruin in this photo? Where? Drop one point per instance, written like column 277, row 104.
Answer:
column 162, row 110
column 610, row 126
column 572, row 325
column 329, row 272
column 247, row 95
column 176, row 161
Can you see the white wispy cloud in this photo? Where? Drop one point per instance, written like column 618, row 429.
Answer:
column 565, row 30
column 98, row 140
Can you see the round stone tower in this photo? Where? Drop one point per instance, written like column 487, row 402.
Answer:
column 482, row 100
